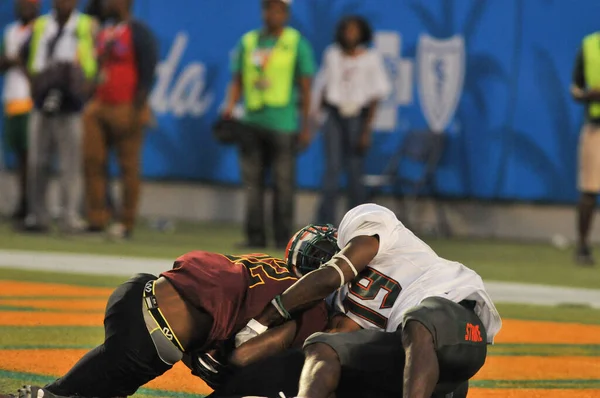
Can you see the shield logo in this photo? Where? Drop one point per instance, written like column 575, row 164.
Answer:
column 441, row 65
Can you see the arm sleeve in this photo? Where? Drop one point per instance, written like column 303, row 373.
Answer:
column 578, row 73
column 368, row 220
column 237, row 59
column 311, row 321
column 305, row 64
column 146, row 54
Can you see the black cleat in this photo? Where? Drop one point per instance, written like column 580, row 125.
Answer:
column 584, row 257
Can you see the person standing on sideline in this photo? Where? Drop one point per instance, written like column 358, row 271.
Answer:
column 128, row 54
column 270, row 65
column 16, row 94
column 61, row 65
column 586, row 89
column 354, row 81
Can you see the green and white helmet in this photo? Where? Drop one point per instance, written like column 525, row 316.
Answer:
column 311, row 247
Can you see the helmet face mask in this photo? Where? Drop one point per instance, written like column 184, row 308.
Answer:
column 310, row 248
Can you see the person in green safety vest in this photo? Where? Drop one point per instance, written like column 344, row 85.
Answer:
column 272, row 72
column 61, row 64
column 586, row 89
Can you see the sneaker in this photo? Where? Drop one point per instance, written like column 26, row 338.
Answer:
column 72, row 227
column 584, row 257
column 30, row 225
column 118, row 232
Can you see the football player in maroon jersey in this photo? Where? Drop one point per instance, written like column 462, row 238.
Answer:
column 151, row 322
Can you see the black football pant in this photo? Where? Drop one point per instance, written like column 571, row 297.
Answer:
column 126, row 360
column 262, row 151
column 373, row 361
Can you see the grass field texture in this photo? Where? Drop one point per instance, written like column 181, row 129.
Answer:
column 48, row 321
column 45, row 327
column 493, row 260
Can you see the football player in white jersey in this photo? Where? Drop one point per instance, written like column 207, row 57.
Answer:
column 415, row 324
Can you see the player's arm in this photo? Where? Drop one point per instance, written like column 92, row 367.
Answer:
column 278, row 339
column 317, row 285
column 271, row 342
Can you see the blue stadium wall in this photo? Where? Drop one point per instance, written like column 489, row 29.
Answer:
column 512, row 135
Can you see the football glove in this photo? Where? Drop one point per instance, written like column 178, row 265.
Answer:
column 212, row 371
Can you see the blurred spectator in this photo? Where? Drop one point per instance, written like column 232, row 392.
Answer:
column 115, row 117
column 269, row 64
column 61, row 65
column 586, row 88
column 16, row 94
column 94, row 10
column 353, row 80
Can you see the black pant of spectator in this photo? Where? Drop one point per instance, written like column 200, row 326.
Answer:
column 341, row 136
column 263, row 150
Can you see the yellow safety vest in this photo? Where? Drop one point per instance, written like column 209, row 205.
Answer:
column 279, row 70
column 591, row 67
column 85, row 44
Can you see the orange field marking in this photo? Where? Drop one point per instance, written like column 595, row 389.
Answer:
column 96, row 305
column 13, row 288
column 58, row 362
column 535, row 332
column 532, row 393
column 18, row 318
column 539, row 368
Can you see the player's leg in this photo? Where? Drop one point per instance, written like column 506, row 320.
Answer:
column 126, row 360
column 269, row 377
column 365, row 362
column 457, row 336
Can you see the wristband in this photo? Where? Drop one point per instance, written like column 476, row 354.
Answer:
column 280, row 308
column 342, row 257
column 257, row 326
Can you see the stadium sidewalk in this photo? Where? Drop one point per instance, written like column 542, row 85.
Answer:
column 501, row 292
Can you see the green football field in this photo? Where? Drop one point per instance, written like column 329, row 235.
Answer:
column 493, row 260
column 48, row 320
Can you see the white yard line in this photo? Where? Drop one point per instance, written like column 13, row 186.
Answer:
column 501, row 292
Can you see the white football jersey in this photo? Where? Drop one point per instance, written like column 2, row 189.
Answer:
column 404, row 272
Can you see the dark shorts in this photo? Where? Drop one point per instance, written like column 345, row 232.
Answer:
column 15, row 132
column 126, row 360
column 374, row 359
column 373, row 362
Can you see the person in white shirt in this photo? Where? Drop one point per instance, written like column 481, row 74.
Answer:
column 411, row 322
column 351, row 82
column 16, row 95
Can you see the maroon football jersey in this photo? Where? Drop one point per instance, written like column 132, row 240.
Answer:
column 235, row 289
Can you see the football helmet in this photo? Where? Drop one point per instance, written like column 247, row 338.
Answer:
column 310, row 248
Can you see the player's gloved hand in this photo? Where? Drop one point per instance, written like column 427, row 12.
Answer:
column 213, row 371
column 250, row 331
